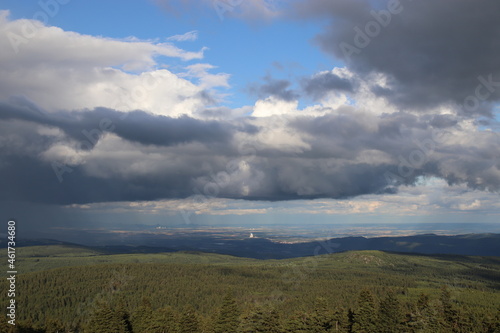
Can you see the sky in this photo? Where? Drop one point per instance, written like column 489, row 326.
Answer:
column 249, row 112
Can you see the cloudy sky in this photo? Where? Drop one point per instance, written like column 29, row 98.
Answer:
column 249, row 111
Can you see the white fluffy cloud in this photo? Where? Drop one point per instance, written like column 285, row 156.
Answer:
column 61, row 70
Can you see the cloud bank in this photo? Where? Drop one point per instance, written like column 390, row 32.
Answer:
column 95, row 120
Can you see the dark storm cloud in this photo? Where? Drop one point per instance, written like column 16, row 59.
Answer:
column 321, row 84
column 434, row 52
column 87, row 127
column 274, row 87
column 348, row 154
column 417, row 146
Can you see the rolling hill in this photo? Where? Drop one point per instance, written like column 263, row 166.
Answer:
column 68, row 282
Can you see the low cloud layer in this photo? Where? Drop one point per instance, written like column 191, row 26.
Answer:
column 99, row 156
column 122, row 128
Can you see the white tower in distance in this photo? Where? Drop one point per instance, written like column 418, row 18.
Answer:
column 251, row 235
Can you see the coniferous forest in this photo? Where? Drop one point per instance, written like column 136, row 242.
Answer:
column 250, row 166
column 365, row 291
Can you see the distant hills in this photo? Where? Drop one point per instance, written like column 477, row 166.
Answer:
column 261, row 248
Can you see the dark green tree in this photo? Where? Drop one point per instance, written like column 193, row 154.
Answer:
column 322, row 316
column 228, row 319
column 261, row 319
column 449, row 315
column 189, row 321
column 364, row 320
column 496, row 323
column 106, row 320
column 272, row 321
column 123, row 315
column 339, row 320
column 297, row 323
column 164, row 320
column 141, row 318
column 53, row 325
column 390, row 315
column 466, row 321
column 26, row 326
column 422, row 317
column 350, row 320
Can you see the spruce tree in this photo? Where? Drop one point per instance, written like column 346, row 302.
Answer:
column 123, row 315
column 322, row 316
column 339, row 320
column 163, row 320
column 189, row 322
column 350, row 320
column 449, row 315
column 26, row 327
column 272, row 322
column 496, row 322
column 53, row 325
column 390, row 315
column 297, row 323
column 421, row 317
column 106, row 320
column 364, row 320
column 228, row 319
column 261, row 319
column 142, row 317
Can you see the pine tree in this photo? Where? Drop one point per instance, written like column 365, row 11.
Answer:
column 339, row 320
column 142, row 317
column 163, row 320
column 189, row 322
column 26, row 326
column 261, row 320
column 350, row 320
column 123, row 315
column 105, row 320
column 53, row 325
column 390, row 315
column 496, row 323
column 322, row 316
column 272, row 322
column 421, row 317
column 467, row 322
column 364, row 320
column 228, row 319
column 297, row 323
column 449, row 316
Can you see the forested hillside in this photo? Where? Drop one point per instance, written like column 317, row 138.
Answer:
column 365, row 291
